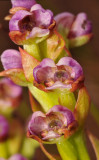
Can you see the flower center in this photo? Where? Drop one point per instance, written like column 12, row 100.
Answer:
column 61, row 75
column 26, row 24
column 84, row 24
column 55, row 124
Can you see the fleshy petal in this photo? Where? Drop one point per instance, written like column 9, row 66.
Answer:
column 23, row 3
column 36, row 7
column 43, row 18
column 37, row 123
column 81, row 26
column 66, row 112
column 38, row 32
column 65, row 20
column 44, row 70
column 68, row 61
column 18, row 16
column 11, row 59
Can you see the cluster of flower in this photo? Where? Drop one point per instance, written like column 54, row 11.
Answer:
column 46, row 67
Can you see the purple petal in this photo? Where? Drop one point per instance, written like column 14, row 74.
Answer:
column 17, row 157
column 43, row 18
column 23, row 3
column 11, row 59
column 44, row 70
column 37, row 123
column 68, row 61
column 59, row 84
column 81, row 26
column 51, row 135
column 36, row 7
column 4, row 127
column 69, row 117
column 18, row 16
column 38, row 32
column 65, row 19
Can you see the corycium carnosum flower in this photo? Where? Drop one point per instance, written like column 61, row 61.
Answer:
column 17, row 157
column 67, row 73
column 4, row 128
column 75, row 27
column 56, row 122
column 10, row 95
column 33, row 23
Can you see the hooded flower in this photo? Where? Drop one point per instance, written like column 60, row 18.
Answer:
column 17, row 157
column 4, row 128
column 31, row 24
column 64, row 74
column 74, row 26
column 10, row 94
column 51, row 125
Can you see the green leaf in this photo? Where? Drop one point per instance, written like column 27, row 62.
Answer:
column 95, row 144
column 16, row 75
column 82, row 106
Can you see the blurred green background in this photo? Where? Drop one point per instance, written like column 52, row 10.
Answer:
column 88, row 55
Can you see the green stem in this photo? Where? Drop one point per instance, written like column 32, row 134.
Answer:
column 73, row 148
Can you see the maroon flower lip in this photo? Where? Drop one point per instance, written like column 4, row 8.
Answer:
column 60, row 75
column 52, row 124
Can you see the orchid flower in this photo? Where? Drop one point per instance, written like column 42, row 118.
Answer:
column 77, row 29
column 10, row 94
column 61, row 75
column 56, row 122
column 31, row 24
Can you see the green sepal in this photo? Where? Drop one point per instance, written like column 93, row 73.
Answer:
column 33, row 50
column 82, row 106
column 51, row 98
column 16, row 75
column 28, row 63
column 79, row 41
column 53, row 46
